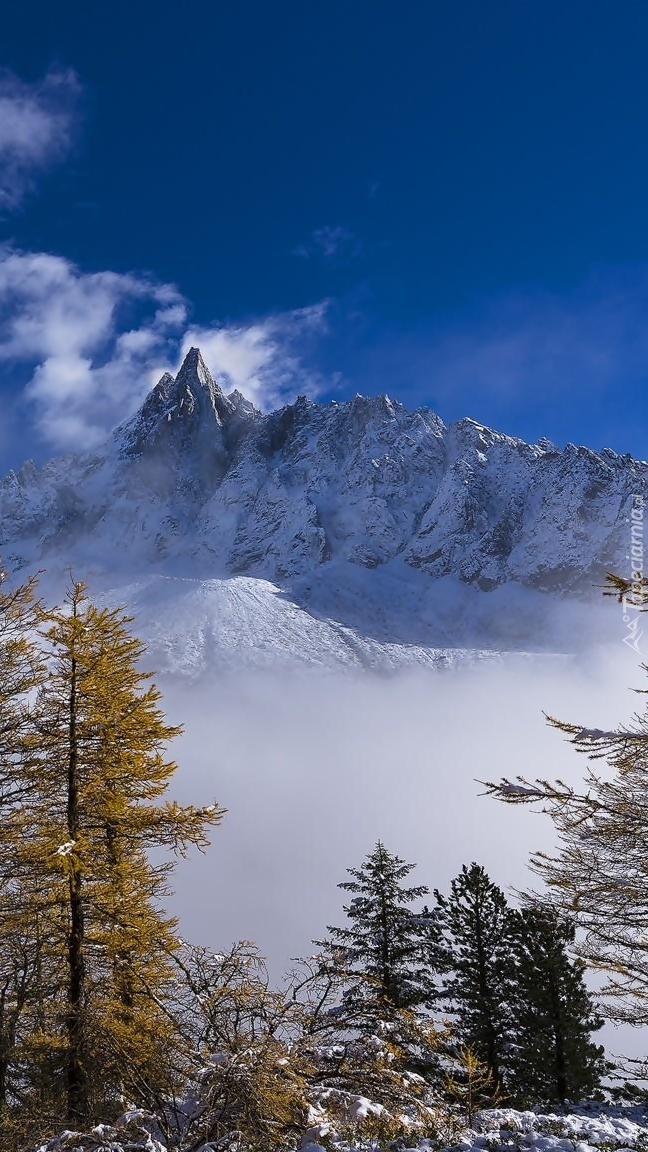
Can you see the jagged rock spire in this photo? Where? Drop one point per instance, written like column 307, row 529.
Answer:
column 182, row 413
column 197, row 393
column 193, row 368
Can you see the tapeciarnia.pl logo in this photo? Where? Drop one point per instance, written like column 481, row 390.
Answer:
column 633, row 599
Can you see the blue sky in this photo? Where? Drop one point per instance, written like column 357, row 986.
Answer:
column 444, row 200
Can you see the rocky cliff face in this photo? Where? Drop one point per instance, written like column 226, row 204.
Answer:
column 205, row 479
column 202, row 485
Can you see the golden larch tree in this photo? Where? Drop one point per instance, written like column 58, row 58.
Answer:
column 93, row 809
column 22, row 991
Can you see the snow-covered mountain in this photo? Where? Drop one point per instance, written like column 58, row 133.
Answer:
column 354, row 532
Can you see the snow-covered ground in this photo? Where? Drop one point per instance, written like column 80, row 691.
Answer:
column 599, row 1129
column 612, row 1129
column 199, row 627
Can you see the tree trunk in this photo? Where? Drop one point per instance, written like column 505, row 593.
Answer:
column 388, row 990
column 77, row 1079
column 560, row 1063
column 123, row 961
column 491, row 1055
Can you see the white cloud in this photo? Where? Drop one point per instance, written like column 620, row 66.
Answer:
column 36, row 129
column 263, row 359
column 95, row 343
column 89, row 339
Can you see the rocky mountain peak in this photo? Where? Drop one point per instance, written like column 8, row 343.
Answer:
column 327, row 493
column 196, row 389
column 242, row 407
column 194, row 370
column 179, row 409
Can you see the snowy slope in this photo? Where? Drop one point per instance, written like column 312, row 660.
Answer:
column 355, row 533
column 194, row 626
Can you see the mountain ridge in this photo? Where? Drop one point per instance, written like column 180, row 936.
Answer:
column 313, row 498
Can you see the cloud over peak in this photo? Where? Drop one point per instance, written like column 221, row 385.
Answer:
column 264, row 359
column 37, row 124
column 88, row 339
column 90, row 346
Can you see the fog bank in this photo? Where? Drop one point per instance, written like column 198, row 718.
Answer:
column 314, row 769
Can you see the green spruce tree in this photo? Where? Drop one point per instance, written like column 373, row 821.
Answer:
column 553, row 1057
column 370, row 989
column 475, row 923
column 382, row 947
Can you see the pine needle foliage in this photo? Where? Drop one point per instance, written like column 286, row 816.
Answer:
column 21, row 672
column 469, row 1087
column 598, row 875
column 475, row 924
column 250, row 1083
column 83, row 886
column 621, row 589
column 23, row 1052
column 376, row 1066
column 554, row 1058
column 383, row 945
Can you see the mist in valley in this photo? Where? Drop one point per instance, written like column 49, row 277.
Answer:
column 314, row 769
